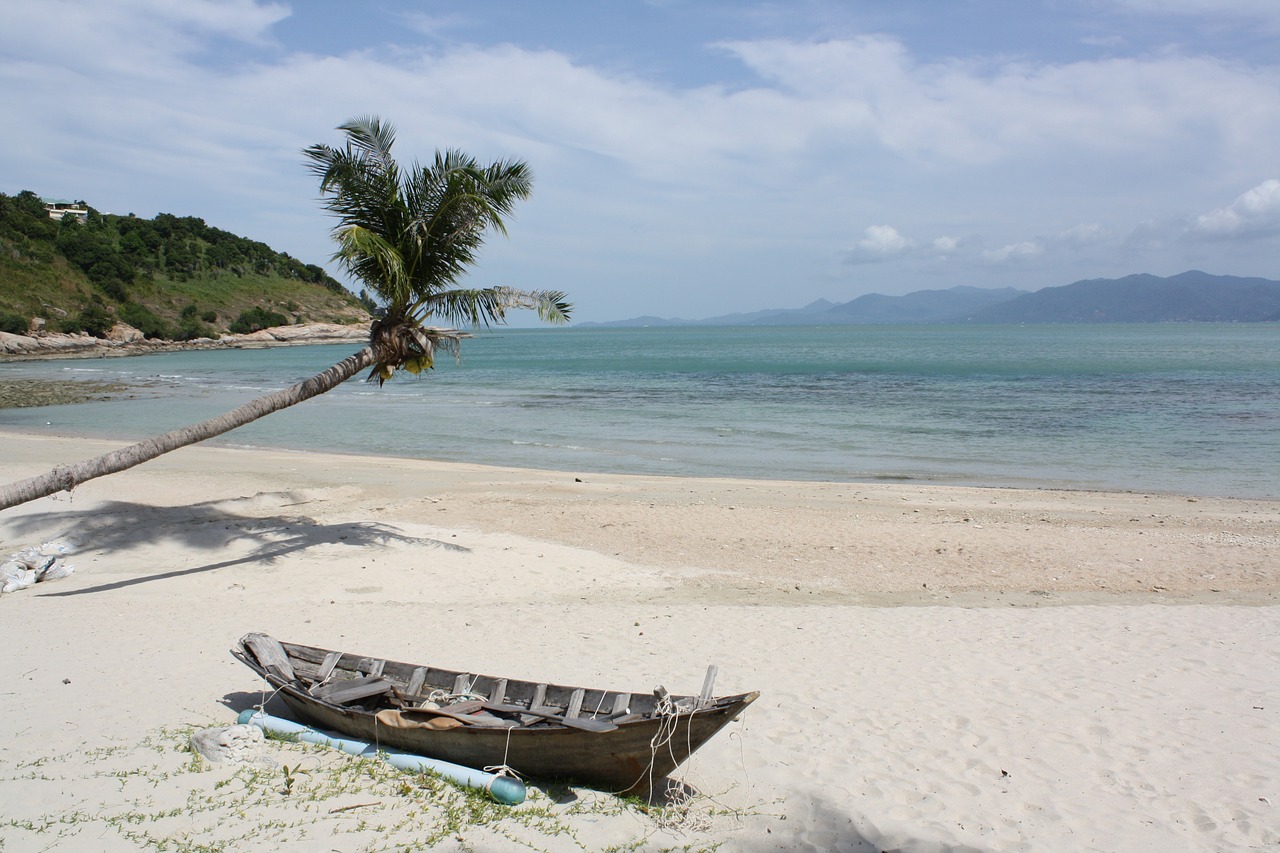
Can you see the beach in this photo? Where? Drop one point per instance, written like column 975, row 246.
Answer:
column 940, row 668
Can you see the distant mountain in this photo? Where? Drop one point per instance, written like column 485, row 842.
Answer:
column 923, row 306
column 1192, row 296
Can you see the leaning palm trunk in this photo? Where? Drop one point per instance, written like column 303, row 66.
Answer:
column 67, row 477
column 409, row 243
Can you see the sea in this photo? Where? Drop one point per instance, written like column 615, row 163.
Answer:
column 1171, row 408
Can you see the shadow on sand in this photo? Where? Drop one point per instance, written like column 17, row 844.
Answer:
column 118, row 527
column 828, row 829
column 833, row 829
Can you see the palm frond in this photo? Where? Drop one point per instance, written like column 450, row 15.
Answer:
column 552, row 305
column 371, row 258
column 489, row 306
column 372, row 138
column 409, row 235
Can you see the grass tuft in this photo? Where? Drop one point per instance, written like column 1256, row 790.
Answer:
column 159, row 795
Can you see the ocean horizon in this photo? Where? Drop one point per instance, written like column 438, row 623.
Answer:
column 1175, row 408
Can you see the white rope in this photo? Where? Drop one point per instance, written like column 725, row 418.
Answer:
column 677, row 814
column 443, row 697
column 503, row 769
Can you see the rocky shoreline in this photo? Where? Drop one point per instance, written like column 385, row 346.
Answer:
column 31, row 393
column 124, row 341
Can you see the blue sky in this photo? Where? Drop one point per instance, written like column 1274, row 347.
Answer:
column 691, row 158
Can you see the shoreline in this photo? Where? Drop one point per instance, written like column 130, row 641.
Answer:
column 940, row 668
column 53, row 346
column 779, row 541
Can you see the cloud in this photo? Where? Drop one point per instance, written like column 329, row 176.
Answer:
column 878, row 243
column 871, row 88
column 134, row 37
column 1266, row 11
column 1085, row 234
column 1013, row 252
column 883, row 239
column 199, row 108
column 883, row 242
column 1254, row 213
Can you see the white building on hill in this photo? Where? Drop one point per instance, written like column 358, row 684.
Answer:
column 59, row 208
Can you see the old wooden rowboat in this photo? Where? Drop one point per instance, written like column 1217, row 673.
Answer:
column 613, row 741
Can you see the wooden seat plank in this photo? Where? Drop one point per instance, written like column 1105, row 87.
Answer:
column 352, row 690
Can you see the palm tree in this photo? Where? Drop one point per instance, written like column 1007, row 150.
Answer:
column 408, row 236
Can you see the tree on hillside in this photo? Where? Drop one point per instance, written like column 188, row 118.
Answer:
column 408, row 235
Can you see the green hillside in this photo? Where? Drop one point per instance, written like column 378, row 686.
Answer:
column 171, row 277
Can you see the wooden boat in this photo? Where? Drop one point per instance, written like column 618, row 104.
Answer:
column 613, row 741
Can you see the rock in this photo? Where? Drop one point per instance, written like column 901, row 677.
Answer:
column 124, row 333
column 241, row 744
column 261, row 336
column 17, row 343
column 126, row 340
column 319, row 332
column 46, row 344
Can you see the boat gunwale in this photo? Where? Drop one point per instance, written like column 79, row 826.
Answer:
column 629, row 759
column 518, row 691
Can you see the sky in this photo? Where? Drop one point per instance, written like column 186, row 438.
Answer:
column 692, row 158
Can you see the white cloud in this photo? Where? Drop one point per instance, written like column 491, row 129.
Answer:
column 883, row 239
column 878, row 243
column 884, row 242
column 1083, row 235
column 1254, row 212
column 1267, row 11
column 245, row 20
column 640, row 179
column 137, row 38
column 1013, row 252
column 871, row 88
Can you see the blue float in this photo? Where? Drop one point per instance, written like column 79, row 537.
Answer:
column 504, row 789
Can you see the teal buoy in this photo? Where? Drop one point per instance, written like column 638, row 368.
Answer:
column 504, row 789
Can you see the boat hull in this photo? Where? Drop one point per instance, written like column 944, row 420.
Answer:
column 633, row 758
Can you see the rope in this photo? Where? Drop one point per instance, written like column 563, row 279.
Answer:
column 503, row 769
column 677, row 813
column 444, row 697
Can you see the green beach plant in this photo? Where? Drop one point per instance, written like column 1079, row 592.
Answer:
column 408, row 235
column 164, row 796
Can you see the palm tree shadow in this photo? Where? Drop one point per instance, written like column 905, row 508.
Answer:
column 845, row 828
column 210, row 526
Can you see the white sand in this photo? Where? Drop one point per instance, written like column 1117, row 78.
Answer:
column 941, row 669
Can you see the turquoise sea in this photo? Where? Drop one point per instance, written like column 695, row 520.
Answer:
column 1181, row 408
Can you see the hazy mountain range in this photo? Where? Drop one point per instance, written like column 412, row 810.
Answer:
column 1190, row 297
